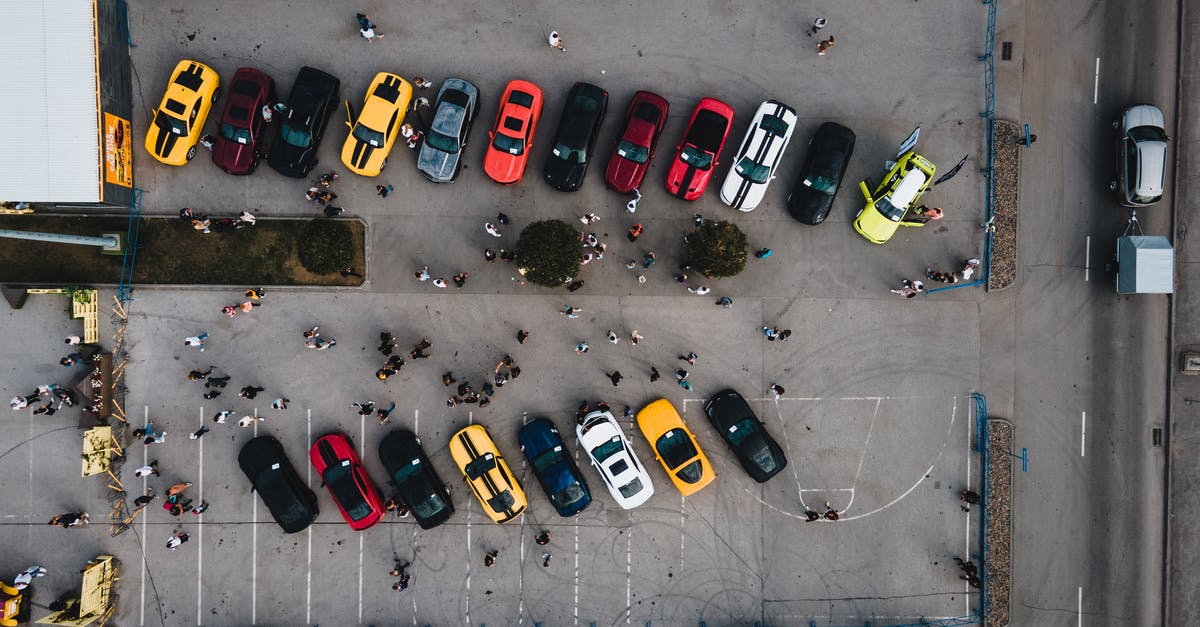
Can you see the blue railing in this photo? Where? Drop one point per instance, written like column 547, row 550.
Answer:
column 981, row 447
column 125, row 287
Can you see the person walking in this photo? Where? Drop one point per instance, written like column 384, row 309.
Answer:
column 250, row 391
column 196, row 341
column 831, row 514
column 543, row 538
column 687, row 385
column 555, row 41
column 460, row 280
column 654, row 376
column 968, row 567
column 178, row 488
column 176, row 539
column 826, row 45
column 691, row 358
column 725, row 302
column 439, row 282
column 385, row 415
column 422, row 275
column 615, row 377
column 581, row 348
column 969, row 268
column 776, row 391
column 701, row 291
column 817, row 25
column 968, row 499
column 147, row 470
column 365, row 409
column 763, row 253
column 26, row 577
column 771, row 333
column 941, row 277
column 222, row 416
column 489, row 558
column 681, row 374
column 491, row 229
column 635, row 337
column 571, row 312
column 199, row 375
column 366, row 28
column 612, row 337
column 279, row 404
column 247, row 420
column 546, row 559
column 635, row 232
column 144, row 499
column 522, row 335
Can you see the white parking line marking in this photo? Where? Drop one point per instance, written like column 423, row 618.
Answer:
column 308, row 575
column 200, row 531
column 467, row 599
column 1079, row 607
column 521, row 580
column 1087, row 259
column 968, row 452
column 1082, row 433
column 575, row 579
column 362, row 437
column 629, row 572
column 145, row 458
column 254, row 553
column 1096, row 83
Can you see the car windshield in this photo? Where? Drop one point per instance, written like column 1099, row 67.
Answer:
column 568, row 496
column 889, row 211
column 740, row 431
column 696, row 158
column 444, row 143
column 752, row 171
column 368, row 135
column 822, row 184
column 774, row 125
column 675, row 447
column 568, row 154
column 407, row 471
column 340, row 480
column 480, row 466
column 763, row 458
column 170, row 124
column 297, row 136
column 631, row 488
column 502, row 502
column 632, row 151
column 511, row 145
column 691, row 473
column 235, row 134
column 275, row 491
column 608, row 449
column 1147, row 134
column 429, row 506
column 547, row 460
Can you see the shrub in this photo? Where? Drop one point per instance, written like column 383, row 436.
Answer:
column 717, row 249
column 549, row 253
column 325, row 246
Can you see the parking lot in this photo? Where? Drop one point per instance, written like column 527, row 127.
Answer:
column 876, row 418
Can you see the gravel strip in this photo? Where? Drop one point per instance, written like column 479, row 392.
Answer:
column 1006, row 167
column 998, row 560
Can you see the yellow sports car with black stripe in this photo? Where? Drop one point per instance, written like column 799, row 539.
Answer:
column 373, row 134
column 176, row 124
column 488, row 474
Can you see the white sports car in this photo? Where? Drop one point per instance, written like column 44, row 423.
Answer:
column 627, row 480
column 756, row 161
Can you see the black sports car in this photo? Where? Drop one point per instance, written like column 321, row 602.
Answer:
column 421, row 489
column 575, row 137
column 745, row 434
column 829, row 153
column 300, row 128
column 292, row 504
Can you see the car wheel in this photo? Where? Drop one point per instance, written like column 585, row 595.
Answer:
column 192, row 153
column 1112, row 185
column 216, row 94
column 1116, row 125
column 383, row 165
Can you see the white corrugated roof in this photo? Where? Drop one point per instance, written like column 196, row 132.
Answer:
column 48, row 119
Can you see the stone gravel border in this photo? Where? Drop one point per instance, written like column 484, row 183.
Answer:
column 1006, row 169
column 998, row 559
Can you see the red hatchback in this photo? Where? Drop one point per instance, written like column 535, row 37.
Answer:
column 237, row 149
column 644, row 120
column 696, row 156
column 341, row 470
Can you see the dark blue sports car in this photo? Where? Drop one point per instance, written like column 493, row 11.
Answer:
column 554, row 467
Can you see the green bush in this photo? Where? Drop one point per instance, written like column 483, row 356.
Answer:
column 717, row 249
column 549, row 253
column 325, row 246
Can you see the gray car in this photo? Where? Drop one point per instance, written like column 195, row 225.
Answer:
column 1141, row 156
column 441, row 153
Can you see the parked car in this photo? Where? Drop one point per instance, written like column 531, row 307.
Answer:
column 645, row 118
column 488, row 474
column 291, row 503
column 511, row 138
column 373, row 134
column 440, row 157
column 178, row 121
column 240, row 136
column 675, row 447
column 554, row 468
column 758, row 157
column 903, row 186
column 821, row 175
column 419, row 487
column 578, row 128
column 613, row 457
column 334, row 458
column 697, row 155
column 301, row 126
column 759, row 453
column 1141, row 156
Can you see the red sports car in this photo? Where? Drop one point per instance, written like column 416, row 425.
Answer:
column 237, row 148
column 512, row 137
column 341, row 470
column 644, row 120
column 696, row 157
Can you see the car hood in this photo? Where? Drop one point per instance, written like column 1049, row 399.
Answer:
column 563, row 175
column 740, row 193
column 233, row 157
column 1143, row 115
column 436, row 165
column 809, row 205
column 687, row 182
column 504, row 167
column 622, row 175
column 290, row 160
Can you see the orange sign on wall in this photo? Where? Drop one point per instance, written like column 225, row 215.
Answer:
column 118, row 158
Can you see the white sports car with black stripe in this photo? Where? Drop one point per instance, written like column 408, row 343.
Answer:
column 758, row 158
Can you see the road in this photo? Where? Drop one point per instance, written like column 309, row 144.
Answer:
column 1088, row 371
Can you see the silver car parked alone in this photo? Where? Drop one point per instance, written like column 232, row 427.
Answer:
column 1141, row 156
column 440, row 157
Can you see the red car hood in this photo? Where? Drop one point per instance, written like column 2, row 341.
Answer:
column 233, row 157
column 622, row 175
column 506, row 168
column 685, row 181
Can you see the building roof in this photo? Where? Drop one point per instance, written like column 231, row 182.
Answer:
column 49, row 118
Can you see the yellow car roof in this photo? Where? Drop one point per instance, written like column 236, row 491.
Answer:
column 387, row 93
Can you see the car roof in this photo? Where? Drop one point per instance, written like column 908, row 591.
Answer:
column 909, row 187
column 1152, row 157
